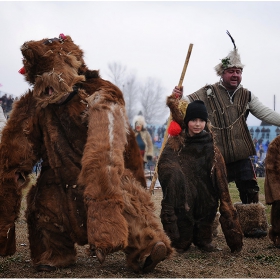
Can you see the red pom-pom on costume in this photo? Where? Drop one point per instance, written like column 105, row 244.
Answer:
column 21, row 71
column 62, row 36
column 174, row 129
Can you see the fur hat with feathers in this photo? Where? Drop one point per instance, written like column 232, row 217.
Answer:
column 232, row 60
column 139, row 119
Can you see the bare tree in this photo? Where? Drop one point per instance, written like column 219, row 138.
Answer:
column 131, row 96
column 149, row 98
column 117, row 73
column 153, row 101
column 128, row 85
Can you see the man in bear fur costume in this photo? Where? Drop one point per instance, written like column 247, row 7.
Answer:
column 192, row 174
column 272, row 189
column 91, row 189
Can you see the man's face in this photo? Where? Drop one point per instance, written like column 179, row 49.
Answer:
column 232, row 78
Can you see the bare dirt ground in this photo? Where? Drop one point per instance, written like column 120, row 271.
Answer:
column 258, row 259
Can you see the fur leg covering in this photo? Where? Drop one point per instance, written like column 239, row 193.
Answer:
column 51, row 235
column 272, row 188
column 14, row 149
column 228, row 215
column 147, row 243
column 10, row 201
column 9, row 208
column 274, row 231
column 169, row 221
column 178, row 225
column 202, row 237
column 102, row 168
column 252, row 219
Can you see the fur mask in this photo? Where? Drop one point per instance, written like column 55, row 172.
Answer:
column 53, row 67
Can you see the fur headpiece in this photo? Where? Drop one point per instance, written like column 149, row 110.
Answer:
column 232, row 60
column 140, row 120
column 53, row 66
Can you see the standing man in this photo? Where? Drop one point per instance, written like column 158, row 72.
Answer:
column 228, row 104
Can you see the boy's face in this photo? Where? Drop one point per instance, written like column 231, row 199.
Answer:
column 195, row 126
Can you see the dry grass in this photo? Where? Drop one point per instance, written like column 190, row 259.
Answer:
column 258, row 259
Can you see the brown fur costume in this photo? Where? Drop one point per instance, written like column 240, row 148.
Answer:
column 91, row 189
column 190, row 203
column 272, row 188
column 252, row 218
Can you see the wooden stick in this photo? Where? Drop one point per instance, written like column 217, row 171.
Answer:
column 170, row 118
column 185, row 65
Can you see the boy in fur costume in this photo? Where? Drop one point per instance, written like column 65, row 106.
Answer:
column 91, row 189
column 272, row 188
column 192, row 174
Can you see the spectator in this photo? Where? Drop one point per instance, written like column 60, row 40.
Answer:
column 4, row 103
column 267, row 133
column 159, row 133
column 263, row 130
column 162, row 131
column 257, row 132
column 261, row 151
column 252, row 132
column 2, row 121
column 143, row 138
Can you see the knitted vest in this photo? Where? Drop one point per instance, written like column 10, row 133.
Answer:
column 228, row 121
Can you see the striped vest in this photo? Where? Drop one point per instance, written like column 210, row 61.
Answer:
column 228, row 120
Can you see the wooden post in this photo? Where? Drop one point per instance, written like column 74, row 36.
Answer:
column 185, row 65
column 170, row 118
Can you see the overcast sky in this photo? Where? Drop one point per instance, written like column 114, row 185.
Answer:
column 152, row 40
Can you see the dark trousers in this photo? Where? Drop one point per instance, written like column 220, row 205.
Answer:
column 243, row 174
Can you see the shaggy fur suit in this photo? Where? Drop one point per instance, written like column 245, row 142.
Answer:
column 91, row 189
column 192, row 174
column 272, row 188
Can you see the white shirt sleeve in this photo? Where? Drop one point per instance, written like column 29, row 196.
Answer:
column 186, row 98
column 262, row 112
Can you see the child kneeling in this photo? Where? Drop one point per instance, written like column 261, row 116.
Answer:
column 192, row 174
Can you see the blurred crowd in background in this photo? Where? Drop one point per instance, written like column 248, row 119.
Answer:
column 7, row 102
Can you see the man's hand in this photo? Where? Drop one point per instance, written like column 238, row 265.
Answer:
column 177, row 92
